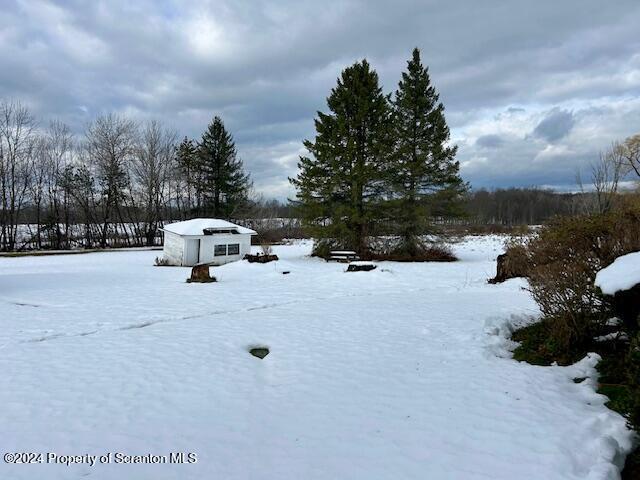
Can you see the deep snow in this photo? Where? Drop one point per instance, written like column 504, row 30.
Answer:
column 622, row 274
column 403, row 372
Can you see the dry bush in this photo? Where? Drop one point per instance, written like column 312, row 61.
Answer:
column 518, row 256
column 564, row 259
column 391, row 249
column 161, row 262
column 266, row 248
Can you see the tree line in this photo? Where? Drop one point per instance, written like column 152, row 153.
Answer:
column 114, row 185
column 520, row 206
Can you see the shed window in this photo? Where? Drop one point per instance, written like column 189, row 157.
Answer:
column 233, row 249
column 220, row 250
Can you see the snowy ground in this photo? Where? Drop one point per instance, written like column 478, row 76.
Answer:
column 399, row 373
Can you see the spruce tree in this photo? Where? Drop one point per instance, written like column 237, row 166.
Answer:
column 340, row 184
column 424, row 172
column 223, row 183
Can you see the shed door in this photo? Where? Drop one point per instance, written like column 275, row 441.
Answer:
column 192, row 251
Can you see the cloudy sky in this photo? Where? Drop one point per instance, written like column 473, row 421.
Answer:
column 533, row 89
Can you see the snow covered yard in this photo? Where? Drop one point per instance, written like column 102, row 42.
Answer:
column 398, row 373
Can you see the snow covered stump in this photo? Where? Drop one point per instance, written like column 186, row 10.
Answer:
column 360, row 267
column 200, row 274
column 621, row 280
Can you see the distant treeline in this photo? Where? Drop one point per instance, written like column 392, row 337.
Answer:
column 521, row 206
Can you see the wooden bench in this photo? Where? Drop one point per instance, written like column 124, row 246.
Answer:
column 342, row 256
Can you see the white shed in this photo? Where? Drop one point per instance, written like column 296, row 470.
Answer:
column 205, row 240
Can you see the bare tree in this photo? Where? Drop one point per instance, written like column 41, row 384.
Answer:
column 110, row 146
column 629, row 151
column 37, row 185
column 606, row 174
column 151, row 170
column 16, row 148
column 59, row 151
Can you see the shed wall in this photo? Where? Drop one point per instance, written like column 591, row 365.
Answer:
column 208, row 243
column 173, row 248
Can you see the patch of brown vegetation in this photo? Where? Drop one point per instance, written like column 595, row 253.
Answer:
column 430, row 253
column 258, row 258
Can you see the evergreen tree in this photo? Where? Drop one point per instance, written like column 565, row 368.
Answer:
column 223, row 183
column 339, row 185
column 424, row 176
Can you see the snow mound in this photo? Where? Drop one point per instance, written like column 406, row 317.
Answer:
column 499, row 330
column 604, row 437
column 622, row 274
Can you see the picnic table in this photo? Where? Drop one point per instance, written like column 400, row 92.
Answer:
column 342, row 256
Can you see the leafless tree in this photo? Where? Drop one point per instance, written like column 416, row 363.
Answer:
column 606, row 174
column 59, row 152
column 151, row 170
column 110, row 146
column 40, row 176
column 17, row 139
column 629, row 151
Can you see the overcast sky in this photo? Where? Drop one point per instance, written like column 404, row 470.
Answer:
column 533, row 89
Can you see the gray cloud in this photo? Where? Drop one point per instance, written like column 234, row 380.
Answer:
column 504, row 70
column 490, row 141
column 556, row 125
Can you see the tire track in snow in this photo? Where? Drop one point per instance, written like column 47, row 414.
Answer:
column 266, row 306
column 140, row 325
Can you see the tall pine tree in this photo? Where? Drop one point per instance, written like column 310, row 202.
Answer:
column 224, row 184
column 340, row 184
column 424, row 174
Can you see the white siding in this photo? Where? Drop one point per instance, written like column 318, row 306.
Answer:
column 191, row 251
column 173, row 248
column 208, row 243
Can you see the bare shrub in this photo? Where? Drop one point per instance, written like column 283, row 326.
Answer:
column 564, row 259
column 266, row 248
column 392, row 249
column 161, row 262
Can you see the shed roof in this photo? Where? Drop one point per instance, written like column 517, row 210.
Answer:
column 197, row 226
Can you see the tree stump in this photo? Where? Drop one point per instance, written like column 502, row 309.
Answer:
column 200, row 274
column 507, row 268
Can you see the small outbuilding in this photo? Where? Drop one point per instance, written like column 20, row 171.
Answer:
column 205, row 240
